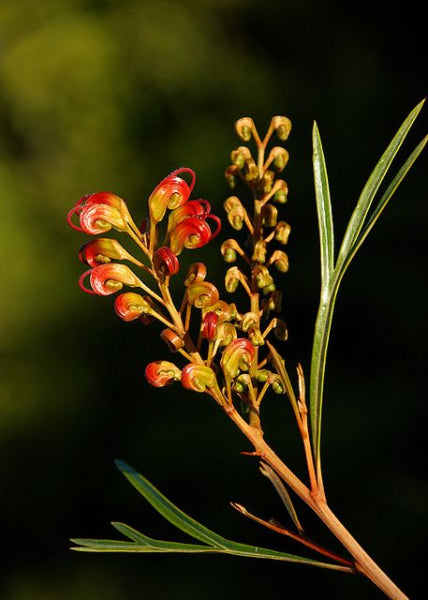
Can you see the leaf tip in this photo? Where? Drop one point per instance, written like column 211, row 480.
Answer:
column 123, row 466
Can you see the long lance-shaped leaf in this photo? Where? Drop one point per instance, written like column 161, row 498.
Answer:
column 367, row 196
column 324, row 211
column 168, row 510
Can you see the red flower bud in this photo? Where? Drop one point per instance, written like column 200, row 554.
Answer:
column 198, row 378
column 130, row 306
column 237, row 356
column 209, row 326
column 192, row 233
column 171, row 192
column 99, row 212
column 165, row 262
column 108, row 279
column 192, row 208
column 161, row 373
column 101, row 250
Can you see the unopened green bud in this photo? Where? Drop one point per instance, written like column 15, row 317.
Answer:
column 281, row 157
column 240, row 156
column 232, row 279
column 243, row 128
column 281, row 191
column 262, row 375
column 282, row 232
column 282, row 126
column 278, row 386
column 259, row 253
column 268, row 289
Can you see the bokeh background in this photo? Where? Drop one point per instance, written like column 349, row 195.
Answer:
column 114, row 94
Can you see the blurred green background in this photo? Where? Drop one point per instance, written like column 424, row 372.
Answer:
column 112, row 95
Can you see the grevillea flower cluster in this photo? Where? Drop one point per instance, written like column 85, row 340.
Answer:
column 223, row 359
column 226, row 349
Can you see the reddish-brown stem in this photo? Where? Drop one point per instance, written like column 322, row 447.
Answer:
column 362, row 561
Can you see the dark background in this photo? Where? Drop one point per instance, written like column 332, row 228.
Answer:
column 113, row 95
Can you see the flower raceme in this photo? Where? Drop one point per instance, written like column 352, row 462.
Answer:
column 187, row 227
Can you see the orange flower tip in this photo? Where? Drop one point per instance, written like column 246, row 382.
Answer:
column 161, row 373
column 129, row 306
column 165, row 262
column 108, row 278
column 101, row 251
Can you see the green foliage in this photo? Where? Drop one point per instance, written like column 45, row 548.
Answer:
column 356, row 232
column 213, row 542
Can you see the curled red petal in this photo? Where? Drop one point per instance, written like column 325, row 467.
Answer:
column 101, row 251
column 161, row 373
column 99, row 218
column 191, row 208
column 190, row 233
column 165, row 262
column 171, row 192
column 130, row 306
column 110, row 278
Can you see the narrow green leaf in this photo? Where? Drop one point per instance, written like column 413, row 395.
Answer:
column 324, row 211
column 368, row 193
column 89, row 545
column 168, row 510
column 389, row 192
column 153, row 544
